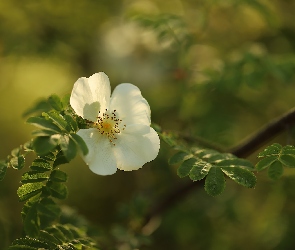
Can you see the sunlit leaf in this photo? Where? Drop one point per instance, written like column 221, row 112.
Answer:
column 200, row 170
column 40, row 165
column 273, row 149
column 215, row 181
column 275, row 170
column 28, row 244
column 28, row 190
column 33, row 176
column 236, row 162
column 241, row 176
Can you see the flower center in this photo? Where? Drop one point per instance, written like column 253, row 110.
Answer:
column 109, row 124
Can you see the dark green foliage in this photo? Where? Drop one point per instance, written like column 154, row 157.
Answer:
column 80, row 143
column 3, row 169
column 57, row 189
column 203, row 162
column 68, row 147
column 275, row 170
column 58, row 176
column 275, row 157
column 185, row 168
column 55, row 102
column 44, row 144
column 215, row 182
column 43, row 123
column 179, row 157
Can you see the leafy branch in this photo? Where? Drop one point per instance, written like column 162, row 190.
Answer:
column 197, row 166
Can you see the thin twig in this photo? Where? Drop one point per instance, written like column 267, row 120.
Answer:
column 244, row 149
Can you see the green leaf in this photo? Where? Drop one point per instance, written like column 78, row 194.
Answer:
column 21, row 162
column 50, row 239
column 68, row 147
column 40, row 165
column 43, row 132
column 57, row 233
column 58, row 120
column 43, row 123
column 273, row 149
column 66, row 100
column 185, row 168
column 288, row 160
column 215, row 181
column 33, row 176
column 288, row 150
column 55, row 102
column 28, row 244
column 241, row 176
column 3, row 169
column 80, row 143
column 266, row 162
column 179, row 157
column 48, row 211
column 57, row 189
column 43, row 145
column 73, row 124
column 275, row 170
column 58, row 176
column 235, row 162
column 205, row 153
column 39, row 107
column 29, row 190
column 18, row 162
column 31, row 225
column 60, row 159
column 200, row 170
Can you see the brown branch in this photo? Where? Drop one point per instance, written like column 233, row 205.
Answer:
column 272, row 129
column 244, row 149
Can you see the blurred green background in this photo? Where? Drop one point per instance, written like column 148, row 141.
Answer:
column 218, row 69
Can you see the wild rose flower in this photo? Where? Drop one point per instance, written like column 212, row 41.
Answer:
column 120, row 135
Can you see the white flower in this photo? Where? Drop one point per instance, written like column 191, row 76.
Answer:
column 120, row 135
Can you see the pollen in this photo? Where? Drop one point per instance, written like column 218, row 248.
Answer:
column 109, row 124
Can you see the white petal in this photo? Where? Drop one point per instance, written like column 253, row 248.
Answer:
column 133, row 150
column 101, row 159
column 90, row 95
column 131, row 107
